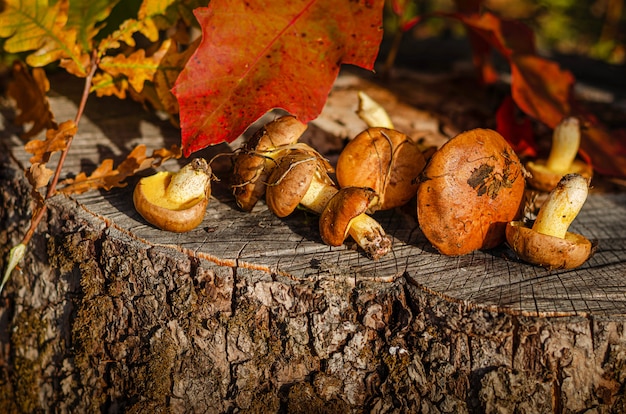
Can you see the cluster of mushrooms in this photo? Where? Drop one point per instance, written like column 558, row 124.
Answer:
column 471, row 192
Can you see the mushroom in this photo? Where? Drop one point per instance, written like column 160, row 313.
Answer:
column 301, row 179
column 545, row 174
column 470, row 189
column 175, row 201
column 548, row 243
column 254, row 162
column 345, row 215
column 385, row 160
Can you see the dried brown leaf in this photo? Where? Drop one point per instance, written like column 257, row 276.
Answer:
column 29, row 92
column 56, row 140
column 105, row 177
column 39, row 175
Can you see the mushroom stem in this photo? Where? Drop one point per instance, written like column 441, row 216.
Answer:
column 565, row 143
column 318, row 195
column 364, row 229
column 369, row 234
column 562, row 206
column 190, row 182
column 372, row 113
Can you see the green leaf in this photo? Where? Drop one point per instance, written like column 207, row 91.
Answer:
column 16, row 254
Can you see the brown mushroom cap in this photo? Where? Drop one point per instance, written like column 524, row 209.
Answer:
column 348, row 203
column 290, row 181
column 150, row 201
column 471, row 188
column 251, row 166
column 547, row 251
column 386, row 161
column 544, row 179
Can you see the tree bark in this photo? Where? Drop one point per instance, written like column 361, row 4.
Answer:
column 251, row 313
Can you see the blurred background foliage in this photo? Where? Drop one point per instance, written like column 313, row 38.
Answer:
column 566, row 30
column 586, row 37
column 594, row 29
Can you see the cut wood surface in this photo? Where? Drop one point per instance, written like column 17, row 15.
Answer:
column 292, row 247
column 479, row 332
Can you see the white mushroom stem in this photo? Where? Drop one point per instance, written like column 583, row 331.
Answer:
column 565, row 143
column 372, row 113
column 562, row 206
column 364, row 229
column 190, row 182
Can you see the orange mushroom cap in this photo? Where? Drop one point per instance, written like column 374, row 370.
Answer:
column 471, row 188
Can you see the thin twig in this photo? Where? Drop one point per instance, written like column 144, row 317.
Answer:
column 55, row 179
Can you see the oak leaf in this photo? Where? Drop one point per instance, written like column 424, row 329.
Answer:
column 38, row 27
column 125, row 33
column 256, row 56
column 29, row 89
column 103, row 84
column 165, row 77
column 136, row 67
column 516, row 129
column 86, row 17
column 39, row 175
column 106, row 177
column 56, row 140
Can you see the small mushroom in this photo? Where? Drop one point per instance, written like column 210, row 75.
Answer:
column 254, row 162
column 548, row 243
column 345, row 215
column 470, row 189
column 301, row 179
column 545, row 174
column 175, row 201
column 385, row 160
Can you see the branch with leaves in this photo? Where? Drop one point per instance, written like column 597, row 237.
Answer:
column 75, row 35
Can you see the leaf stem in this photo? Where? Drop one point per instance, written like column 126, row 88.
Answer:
column 81, row 108
column 55, row 179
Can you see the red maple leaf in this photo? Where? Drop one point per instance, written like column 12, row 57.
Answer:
column 258, row 55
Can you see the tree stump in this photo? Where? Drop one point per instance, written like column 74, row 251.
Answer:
column 251, row 313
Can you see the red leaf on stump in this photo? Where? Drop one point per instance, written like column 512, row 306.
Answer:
column 259, row 55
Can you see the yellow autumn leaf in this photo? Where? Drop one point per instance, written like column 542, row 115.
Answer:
column 151, row 8
column 169, row 68
column 38, row 27
column 103, row 84
column 125, row 33
column 136, row 67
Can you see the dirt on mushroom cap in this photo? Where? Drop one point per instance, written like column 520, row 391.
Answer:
column 471, row 188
